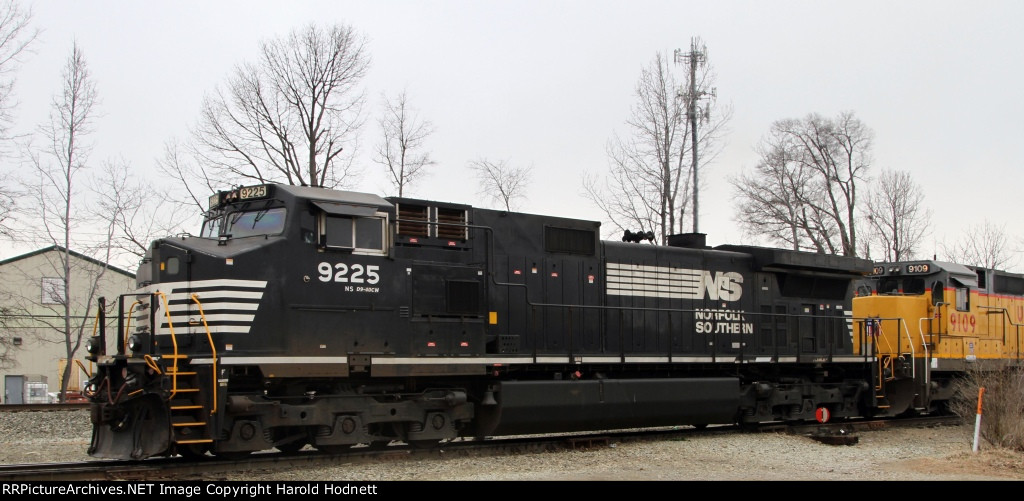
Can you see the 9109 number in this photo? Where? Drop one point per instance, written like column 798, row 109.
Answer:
column 354, row 273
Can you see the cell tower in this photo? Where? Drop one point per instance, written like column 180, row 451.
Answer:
column 697, row 56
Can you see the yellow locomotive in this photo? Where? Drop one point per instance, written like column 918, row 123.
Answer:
column 928, row 322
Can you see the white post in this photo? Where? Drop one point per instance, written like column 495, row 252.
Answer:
column 977, row 420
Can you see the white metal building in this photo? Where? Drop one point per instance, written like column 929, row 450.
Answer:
column 31, row 326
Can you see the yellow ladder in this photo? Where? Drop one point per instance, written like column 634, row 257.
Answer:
column 190, row 420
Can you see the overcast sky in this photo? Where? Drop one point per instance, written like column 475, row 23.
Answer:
column 547, row 84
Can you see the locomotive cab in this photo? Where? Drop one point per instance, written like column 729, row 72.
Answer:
column 162, row 387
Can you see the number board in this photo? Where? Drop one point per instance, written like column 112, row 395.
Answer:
column 251, row 192
column 216, row 200
column 918, row 268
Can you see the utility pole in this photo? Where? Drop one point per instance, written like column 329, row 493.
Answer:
column 696, row 57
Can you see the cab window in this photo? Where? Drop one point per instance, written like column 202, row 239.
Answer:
column 360, row 234
column 938, row 290
column 888, row 286
column 256, row 222
column 211, row 227
column 913, row 285
column 963, row 298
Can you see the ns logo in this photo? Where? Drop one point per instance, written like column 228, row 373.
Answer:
column 724, row 286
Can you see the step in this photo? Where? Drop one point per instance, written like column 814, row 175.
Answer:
column 195, row 441
column 185, row 407
column 172, row 372
column 184, row 425
column 184, row 399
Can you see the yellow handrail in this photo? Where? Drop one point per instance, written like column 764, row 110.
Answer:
column 96, row 325
column 152, row 364
column 128, row 326
column 174, row 340
column 213, row 351
column 878, row 333
column 913, row 351
column 86, row 371
column 875, row 324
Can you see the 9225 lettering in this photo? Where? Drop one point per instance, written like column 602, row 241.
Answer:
column 355, row 273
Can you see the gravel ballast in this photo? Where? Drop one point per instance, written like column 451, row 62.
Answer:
column 940, row 453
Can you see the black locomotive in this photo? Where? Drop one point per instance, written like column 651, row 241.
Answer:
column 311, row 316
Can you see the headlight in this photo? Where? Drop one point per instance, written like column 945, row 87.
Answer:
column 92, row 345
column 134, row 343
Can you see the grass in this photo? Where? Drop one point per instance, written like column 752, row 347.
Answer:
column 1002, row 405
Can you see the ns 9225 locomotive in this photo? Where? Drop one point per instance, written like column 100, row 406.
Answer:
column 306, row 316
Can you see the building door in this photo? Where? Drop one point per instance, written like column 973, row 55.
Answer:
column 13, row 387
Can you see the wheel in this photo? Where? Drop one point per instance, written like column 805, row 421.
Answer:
column 192, row 451
column 290, row 447
column 939, row 408
column 374, row 446
column 233, row 455
column 334, row 449
column 423, row 444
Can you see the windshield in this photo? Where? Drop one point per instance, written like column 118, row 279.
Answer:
column 908, row 285
column 255, row 222
column 211, row 227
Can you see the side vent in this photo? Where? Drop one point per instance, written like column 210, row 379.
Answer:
column 426, row 224
column 451, row 217
column 409, row 217
column 570, row 240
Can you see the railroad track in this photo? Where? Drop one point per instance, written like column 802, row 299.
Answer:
column 43, row 407
column 178, row 468
column 845, row 432
column 209, row 469
column 870, row 424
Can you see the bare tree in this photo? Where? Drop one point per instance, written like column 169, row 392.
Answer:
column 826, row 159
column 897, row 216
column 403, row 137
column 136, row 213
column 502, row 183
column 15, row 38
column 7, row 346
column 984, row 245
column 293, row 116
column 8, row 206
column 770, row 200
column 58, row 165
column 649, row 182
column 59, row 162
column 181, row 163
